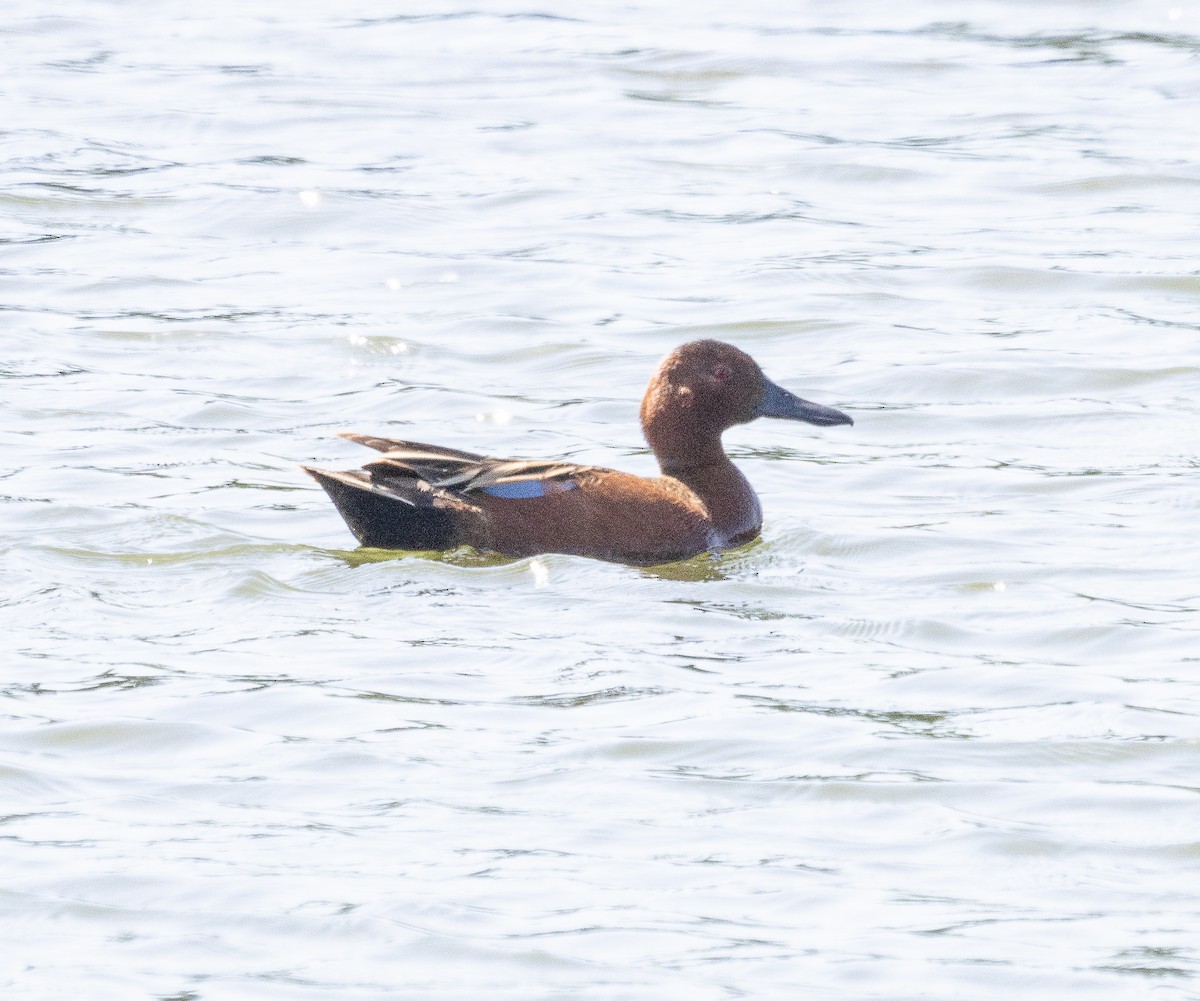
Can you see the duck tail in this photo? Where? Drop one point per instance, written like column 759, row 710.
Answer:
column 384, row 518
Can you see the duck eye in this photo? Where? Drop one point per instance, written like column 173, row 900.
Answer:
column 722, row 373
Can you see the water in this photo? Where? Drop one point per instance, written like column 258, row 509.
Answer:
column 935, row 736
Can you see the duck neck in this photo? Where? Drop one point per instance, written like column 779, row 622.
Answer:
column 730, row 501
column 693, row 459
column 690, row 451
column 681, row 439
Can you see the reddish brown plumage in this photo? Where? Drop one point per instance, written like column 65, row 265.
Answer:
column 424, row 497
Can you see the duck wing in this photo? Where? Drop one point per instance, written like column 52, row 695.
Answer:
column 416, row 470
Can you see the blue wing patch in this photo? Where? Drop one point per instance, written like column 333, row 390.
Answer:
column 528, row 489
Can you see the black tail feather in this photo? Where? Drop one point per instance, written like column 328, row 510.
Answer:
column 384, row 522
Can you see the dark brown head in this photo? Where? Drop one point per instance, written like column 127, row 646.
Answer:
column 704, row 387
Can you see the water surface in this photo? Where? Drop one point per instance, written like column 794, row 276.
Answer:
column 936, row 735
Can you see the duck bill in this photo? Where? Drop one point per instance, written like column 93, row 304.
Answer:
column 778, row 402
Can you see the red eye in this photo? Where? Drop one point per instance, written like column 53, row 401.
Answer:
column 722, row 373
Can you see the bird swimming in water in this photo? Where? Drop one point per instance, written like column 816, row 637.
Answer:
column 425, row 497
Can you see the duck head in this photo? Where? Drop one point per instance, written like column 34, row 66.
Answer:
column 701, row 389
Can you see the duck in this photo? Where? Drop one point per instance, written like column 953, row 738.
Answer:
column 422, row 497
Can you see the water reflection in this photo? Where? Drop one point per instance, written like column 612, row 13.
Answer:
column 705, row 567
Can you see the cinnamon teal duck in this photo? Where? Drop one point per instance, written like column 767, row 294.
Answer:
column 425, row 497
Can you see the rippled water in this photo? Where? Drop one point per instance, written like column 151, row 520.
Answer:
column 935, row 736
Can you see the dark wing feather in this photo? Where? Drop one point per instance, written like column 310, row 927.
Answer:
column 496, row 472
column 399, row 445
column 450, row 469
